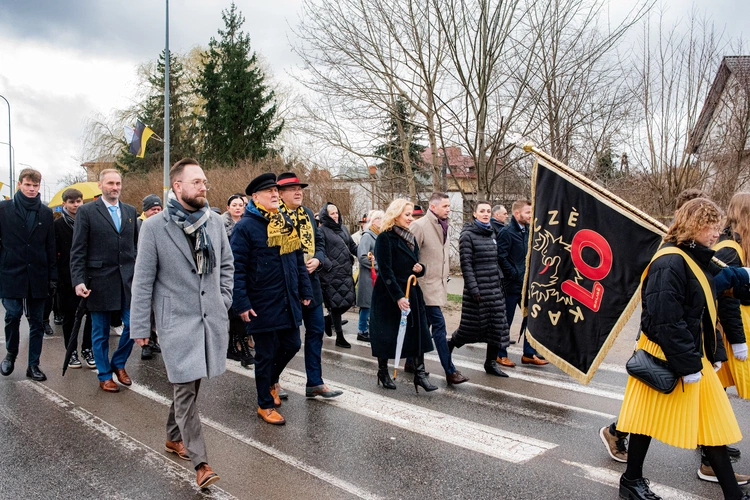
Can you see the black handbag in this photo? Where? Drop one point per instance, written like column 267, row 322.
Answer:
column 652, row 371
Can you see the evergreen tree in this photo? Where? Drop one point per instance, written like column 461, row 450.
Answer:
column 151, row 113
column 239, row 109
column 391, row 151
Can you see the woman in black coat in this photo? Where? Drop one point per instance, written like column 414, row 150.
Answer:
column 397, row 255
column 336, row 271
column 678, row 322
column 483, row 316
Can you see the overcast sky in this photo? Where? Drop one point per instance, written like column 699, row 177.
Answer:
column 63, row 62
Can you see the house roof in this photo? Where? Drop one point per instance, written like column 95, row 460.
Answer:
column 739, row 66
column 461, row 165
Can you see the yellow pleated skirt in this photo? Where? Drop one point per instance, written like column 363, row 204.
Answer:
column 735, row 372
column 699, row 415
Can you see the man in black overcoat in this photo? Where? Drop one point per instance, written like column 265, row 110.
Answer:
column 27, row 268
column 102, row 262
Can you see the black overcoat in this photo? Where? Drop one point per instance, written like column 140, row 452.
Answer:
column 336, row 270
column 483, row 321
column 271, row 284
column 63, row 242
column 395, row 262
column 512, row 247
column 27, row 259
column 101, row 257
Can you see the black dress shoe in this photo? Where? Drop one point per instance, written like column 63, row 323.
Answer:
column 155, row 347
column 363, row 336
column 58, row 320
column 637, row 489
column 48, row 329
column 36, row 374
column 146, row 352
column 344, row 321
column 6, row 367
column 490, row 367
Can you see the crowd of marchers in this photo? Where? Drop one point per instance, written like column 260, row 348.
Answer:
column 200, row 287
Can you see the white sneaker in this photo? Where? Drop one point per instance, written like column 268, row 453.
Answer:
column 116, row 330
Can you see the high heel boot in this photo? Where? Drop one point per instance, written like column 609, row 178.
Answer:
column 383, row 377
column 420, row 377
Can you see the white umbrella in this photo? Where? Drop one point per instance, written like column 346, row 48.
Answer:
column 402, row 327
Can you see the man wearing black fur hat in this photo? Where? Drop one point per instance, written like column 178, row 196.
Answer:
column 271, row 285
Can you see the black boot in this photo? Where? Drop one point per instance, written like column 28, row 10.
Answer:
column 490, row 364
column 341, row 341
column 420, row 377
column 383, row 377
column 329, row 325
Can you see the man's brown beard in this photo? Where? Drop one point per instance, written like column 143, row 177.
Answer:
column 194, row 202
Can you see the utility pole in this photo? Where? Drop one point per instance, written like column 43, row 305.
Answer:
column 10, row 150
column 166, row 109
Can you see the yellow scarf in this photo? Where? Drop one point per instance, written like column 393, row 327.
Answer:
column 303, row 225
column 280, row 233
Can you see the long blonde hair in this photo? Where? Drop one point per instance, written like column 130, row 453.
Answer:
column 395, row 209
column 691, row 219
column 738, row 220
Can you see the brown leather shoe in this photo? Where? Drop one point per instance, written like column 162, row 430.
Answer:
column 109, row 386
column 271, row 416
column 505, row 362
column 122, row 376
column 534, row 360
column 276, row 398
column 205, row 477
column 456, row 378
column 177, row 447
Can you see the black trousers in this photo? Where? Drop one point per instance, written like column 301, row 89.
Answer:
column 68, row 302
column 273, row 351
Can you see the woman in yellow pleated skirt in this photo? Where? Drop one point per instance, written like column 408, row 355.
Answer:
column 678, row 324
column 734, row 315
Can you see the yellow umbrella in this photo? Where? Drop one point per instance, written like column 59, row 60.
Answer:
column 90, row 191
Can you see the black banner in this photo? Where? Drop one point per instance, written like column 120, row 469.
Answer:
column 585, row 262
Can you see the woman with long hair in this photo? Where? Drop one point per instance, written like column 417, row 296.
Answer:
column 336, row 272
column 364, row 286
column 397, row 255
column 678, row 323
column 483, row 316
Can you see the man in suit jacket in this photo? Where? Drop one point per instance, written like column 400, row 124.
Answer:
column 66, row 294
column 102, row 260
column 431, row 233
column 185, row 270
column 313, row 245
column 27, row 268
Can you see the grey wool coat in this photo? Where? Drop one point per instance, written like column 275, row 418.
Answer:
column 190, row 309
column 364, row 283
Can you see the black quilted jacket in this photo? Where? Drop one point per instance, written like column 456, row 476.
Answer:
column 483, row 320
column 336, row 271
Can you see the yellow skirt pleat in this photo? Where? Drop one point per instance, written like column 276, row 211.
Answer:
column 735, row 372
column 698, row 415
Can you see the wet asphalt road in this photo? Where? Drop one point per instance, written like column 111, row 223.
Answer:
column 534, row 435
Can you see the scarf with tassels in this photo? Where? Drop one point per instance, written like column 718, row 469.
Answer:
column 194, row 224
column 303, row 225
column 281, row 231
column 405, row 235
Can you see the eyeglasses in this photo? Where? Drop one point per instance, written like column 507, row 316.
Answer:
column 197, row 184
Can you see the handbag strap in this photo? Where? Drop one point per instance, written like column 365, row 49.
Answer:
column 733, row 245
column 697, row 271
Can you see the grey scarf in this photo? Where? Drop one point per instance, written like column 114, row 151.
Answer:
column 195, row 223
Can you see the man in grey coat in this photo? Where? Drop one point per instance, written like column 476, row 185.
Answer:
column 102, row 259
column 185, row 271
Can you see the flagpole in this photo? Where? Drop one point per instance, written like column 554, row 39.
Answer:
column 166, row 108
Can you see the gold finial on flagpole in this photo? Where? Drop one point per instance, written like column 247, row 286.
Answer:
column 528, row 147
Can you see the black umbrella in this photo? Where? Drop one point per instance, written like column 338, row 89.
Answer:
column 73, row 343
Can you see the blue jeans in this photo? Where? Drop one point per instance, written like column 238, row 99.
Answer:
column 511, row 301
column 436, row 320
column 273, row 351
column 13, row 313
column 364, row 319
column 314, row 327
column 100, row 323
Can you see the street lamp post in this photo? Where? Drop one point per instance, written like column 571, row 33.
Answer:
column 10, row 153
column 13, row 152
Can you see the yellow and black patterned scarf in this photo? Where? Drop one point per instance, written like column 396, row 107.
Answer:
column 303, row 225
column 281, row 232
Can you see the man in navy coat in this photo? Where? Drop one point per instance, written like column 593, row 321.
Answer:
column 102, row 262
column 271, row 285
column 28, row 268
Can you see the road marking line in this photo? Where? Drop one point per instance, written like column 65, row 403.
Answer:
column 269, row 450
column 122, row 440
column 502, row 392
column 612, row 478
column 470, row 435
column 558, row 383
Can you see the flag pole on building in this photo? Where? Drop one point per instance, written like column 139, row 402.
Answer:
column 166, row 107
